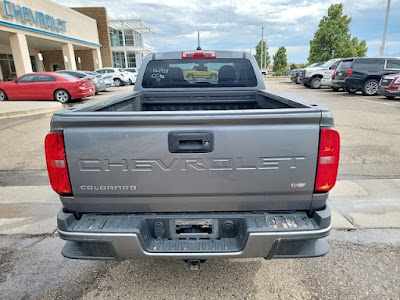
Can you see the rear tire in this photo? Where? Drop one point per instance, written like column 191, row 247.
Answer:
column 117, row 82
column 370, row 88
column 315, row 83
column 390, row 97
column 130, row 82
column 62, row 96
column 335, row 89
column 3, row 95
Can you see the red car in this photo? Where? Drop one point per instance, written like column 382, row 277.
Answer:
column 47, row 86
column 389, row 86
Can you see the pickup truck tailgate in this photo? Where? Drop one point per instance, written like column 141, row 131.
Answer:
column 225, row 161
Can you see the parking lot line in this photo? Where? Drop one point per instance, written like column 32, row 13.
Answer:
column 385, row 103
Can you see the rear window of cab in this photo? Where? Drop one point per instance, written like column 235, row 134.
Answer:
column 199, row 73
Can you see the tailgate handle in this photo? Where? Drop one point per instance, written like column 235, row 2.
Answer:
column 190, row 141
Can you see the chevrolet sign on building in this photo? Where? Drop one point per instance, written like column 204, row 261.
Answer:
column 42, row 35
column 27, row 15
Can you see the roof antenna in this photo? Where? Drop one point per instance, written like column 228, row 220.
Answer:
column 198, row 40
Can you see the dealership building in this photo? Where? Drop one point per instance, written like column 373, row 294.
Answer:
column 42, row 35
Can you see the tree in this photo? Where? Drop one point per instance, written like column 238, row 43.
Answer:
column 293, row 66
column 280, row 61
column 333, row 39
column 267, row 58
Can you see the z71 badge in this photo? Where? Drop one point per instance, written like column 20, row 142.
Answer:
column 297, row 185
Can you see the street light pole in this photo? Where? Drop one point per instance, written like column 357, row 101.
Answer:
column 382, row 49
column 262, row 46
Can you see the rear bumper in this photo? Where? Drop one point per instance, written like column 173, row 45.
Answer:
column 391, row 93
column 84, row 93
column 339, row 83
column 268, row 235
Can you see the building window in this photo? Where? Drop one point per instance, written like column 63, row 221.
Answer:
column 129, row 37
column 139, row 60
column 116, row 37
column 119, row 59
column 138, row 39
column 131, row 60
column 7, row 67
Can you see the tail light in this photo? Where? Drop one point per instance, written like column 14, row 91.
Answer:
column 57, row 163
column 349, row 72
column 122, row 75
column 328, row 160
column 86, row 82
column 199, row 54
column 334, row 73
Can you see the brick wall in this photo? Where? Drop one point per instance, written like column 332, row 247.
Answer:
column 86, row 60
column 100, row 15
column 53, row 57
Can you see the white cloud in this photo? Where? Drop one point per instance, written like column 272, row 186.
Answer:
column 234, row 24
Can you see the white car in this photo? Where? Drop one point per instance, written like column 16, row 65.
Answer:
column 134, row 71
column 131, row 75
column 327, row 79
column 313, row 76
column 119, row 76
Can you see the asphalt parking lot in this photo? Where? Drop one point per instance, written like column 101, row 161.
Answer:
column 369, row 128
column 364, row 261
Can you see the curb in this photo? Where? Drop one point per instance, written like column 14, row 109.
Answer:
column 16, row 114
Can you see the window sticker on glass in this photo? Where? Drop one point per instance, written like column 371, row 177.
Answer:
column 159, row 74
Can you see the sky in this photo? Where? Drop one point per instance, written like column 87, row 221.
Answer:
column 235, row 25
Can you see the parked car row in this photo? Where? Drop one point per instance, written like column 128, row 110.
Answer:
column 371, row 76
column 120, row 76
column 65, row 85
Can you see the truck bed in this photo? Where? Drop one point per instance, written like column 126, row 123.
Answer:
column 189, row 101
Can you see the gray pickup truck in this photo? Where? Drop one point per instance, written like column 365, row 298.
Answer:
column 194, row 170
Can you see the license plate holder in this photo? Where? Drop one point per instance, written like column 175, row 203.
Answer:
column 193, row 228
